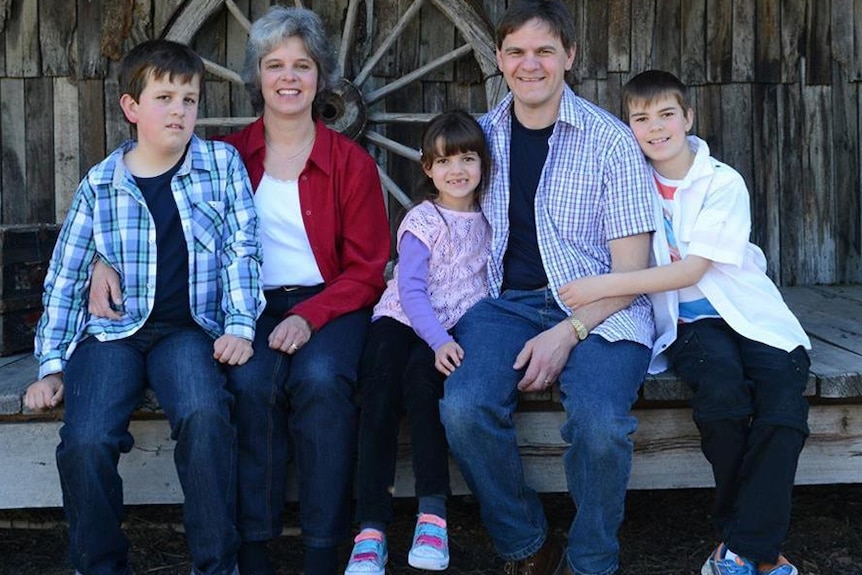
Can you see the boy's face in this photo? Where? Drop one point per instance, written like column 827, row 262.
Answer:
column 165, row 113
column 534, row 62
column 660, row 127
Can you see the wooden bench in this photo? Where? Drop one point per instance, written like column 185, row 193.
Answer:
column 667, row 445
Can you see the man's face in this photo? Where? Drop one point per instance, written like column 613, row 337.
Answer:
column 534, row 62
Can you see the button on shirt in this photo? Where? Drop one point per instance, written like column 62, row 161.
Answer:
column 109, row 217
column 595, row 187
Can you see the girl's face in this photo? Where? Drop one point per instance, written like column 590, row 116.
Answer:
column 456, row 178
column 288, row 79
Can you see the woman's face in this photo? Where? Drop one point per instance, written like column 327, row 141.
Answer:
column 288, row 79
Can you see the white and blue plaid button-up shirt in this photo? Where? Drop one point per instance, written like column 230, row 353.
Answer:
column 595, row 187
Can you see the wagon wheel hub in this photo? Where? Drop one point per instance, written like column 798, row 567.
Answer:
column 344, row 110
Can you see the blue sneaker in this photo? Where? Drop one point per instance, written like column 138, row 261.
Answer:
column 369, row 555
column 719, row 564
column 430, row 549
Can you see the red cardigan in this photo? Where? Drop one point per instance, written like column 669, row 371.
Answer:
column 344, row 215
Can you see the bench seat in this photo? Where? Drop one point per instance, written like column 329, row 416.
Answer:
column 667, row 444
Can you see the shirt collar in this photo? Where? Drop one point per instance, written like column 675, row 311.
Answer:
column 570, row 110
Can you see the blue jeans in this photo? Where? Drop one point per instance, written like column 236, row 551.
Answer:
column 753, row 419
column 103, row 384
column 305, row 402
column 598, row 384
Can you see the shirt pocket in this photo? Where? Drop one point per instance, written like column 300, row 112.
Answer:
column 207, row 225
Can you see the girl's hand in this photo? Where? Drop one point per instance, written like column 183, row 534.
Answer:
column 448, row 357
column 583, row 291
column 291, row 334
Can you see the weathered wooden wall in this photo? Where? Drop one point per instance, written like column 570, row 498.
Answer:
column 776, row 87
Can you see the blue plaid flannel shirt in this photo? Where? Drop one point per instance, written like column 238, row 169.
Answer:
column 108, row 217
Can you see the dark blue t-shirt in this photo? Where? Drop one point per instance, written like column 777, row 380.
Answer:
column 522, row 262
column 172, row 256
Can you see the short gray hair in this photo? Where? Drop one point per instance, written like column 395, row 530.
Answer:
column 272, row 29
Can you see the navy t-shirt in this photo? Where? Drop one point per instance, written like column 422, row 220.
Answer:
column 522, row 262
column 172, row 256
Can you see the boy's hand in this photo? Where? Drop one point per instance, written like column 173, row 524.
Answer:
column 232, row 350
column 47, row 393
column 583, row 291
column 447, row 357
column 291, row 334
column 105, row 295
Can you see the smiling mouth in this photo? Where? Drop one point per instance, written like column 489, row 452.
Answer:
column 659, row 141
column 288, row 92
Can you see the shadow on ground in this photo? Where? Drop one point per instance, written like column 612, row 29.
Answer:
column 665, row 533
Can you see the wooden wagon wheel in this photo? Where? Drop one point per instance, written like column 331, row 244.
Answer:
column 348, row 108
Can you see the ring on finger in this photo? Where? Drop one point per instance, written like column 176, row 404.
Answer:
column 294, row 347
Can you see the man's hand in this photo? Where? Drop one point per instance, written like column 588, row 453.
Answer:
column 291, row 334
column 583, row 291
column 232, row 349
column 545, row 356
column 447, row 357
column 105, row 295
column 47, row 393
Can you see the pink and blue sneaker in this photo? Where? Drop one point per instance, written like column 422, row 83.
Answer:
column 369, row 555
column 430, row 549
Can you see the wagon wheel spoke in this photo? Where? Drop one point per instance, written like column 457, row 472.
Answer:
column 347, row 108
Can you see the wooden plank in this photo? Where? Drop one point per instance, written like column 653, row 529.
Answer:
column 818, row 48
column 842, row 35
column 91, row 111
column 719, row 40
column 693, row 48
column 666, row 455
column 437, row 37
column 14, row 158
column 827, row 315
column 792, row 37
column 67, row 170
column 163, row 12
column 594, row 44
column 736, row 136
column 707, row 114
column 38, row 109
column 19, row 371
column 57, row 22
column 767, row 56
column 609, row 93
column 643, row 25
column 117, row 128
column 766, row 185
column 91, row 62
column 744, row 40
column 668, row 43
column 857, row 40
column 22, row 41
column 818, row 218
column 619, row 35
column 845, row 176
column 792, row 204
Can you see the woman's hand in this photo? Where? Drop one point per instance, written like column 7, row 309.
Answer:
column 291, row 334
column 105, row 295
column 448, row 357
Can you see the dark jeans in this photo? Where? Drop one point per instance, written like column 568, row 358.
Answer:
column 752, row 416
column 397, row 374
column 303, row 401
column 103, row 383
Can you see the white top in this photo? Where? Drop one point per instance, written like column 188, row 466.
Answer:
column 287, row 256
column 712, row 219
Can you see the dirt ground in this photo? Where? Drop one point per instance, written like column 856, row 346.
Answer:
column 665, row 533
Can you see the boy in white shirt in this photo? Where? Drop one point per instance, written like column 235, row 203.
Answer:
column 723, row 327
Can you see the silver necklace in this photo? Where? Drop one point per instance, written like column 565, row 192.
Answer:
column 301, row 151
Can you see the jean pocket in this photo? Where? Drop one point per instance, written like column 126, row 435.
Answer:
column 207, row 225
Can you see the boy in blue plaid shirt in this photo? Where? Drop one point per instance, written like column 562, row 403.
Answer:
column 174, row 216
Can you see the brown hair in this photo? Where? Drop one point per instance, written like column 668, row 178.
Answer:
column 651, row 85
column 156, row 59
column 552, row 12
column 449, row 133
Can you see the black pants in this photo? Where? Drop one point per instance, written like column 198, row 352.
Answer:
column 397, row 374
column 752, row 416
